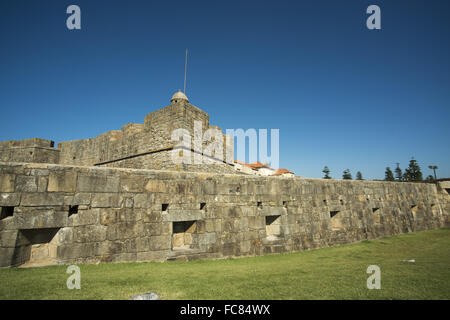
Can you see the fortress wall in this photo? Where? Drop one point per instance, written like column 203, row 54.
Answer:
column 34, row 142
column 163, row 161
column 64, row 214
column 130, row 146
column 30, row 154
column 29, row 150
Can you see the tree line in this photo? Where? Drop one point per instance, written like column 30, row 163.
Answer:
column 411, row 174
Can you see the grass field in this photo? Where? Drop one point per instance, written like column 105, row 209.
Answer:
column 328, row 273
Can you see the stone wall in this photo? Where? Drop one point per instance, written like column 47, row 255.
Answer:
column 29, row 150
column 136, row 145
column 66, row 214
column 143, row 146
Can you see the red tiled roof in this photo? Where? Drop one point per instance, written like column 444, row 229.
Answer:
column 243, row 163
column 282, row 171
column 257, row 165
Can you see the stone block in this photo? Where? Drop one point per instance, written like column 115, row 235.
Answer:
column 89, row 233
column 92, row 183
column 126, row 202
column 81, row 199
column 156, row 186
column 108, row 216
column 6, row 257
column 42, row 199
column 143, row 200
column 85, row 217
column 133, row 184
column 8, row 238
column 9, row 199
column 105, row 200
column 25, row 184
column 41, row 218
column 65, row 235
column 152, row 255
column 156, row 229
column 42, row 184
column 62, row 181
column 7, row 182
column 207, row 238
column 271, row 211
column 182, row 215
column 160, row 242
column 151, row 215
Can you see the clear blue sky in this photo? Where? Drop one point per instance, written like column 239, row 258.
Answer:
column 341, row 95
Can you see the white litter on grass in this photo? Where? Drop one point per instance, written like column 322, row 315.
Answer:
column 146, row 296
column 409, row 260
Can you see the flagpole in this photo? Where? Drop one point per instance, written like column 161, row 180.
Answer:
column 185, row 71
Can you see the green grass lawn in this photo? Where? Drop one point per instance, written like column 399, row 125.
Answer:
column 328, row 273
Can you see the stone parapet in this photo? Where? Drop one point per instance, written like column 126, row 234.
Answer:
column 70, row 214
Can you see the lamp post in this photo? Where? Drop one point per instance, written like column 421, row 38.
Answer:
column 434, row 170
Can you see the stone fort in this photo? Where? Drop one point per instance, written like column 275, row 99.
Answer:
column 120, row 197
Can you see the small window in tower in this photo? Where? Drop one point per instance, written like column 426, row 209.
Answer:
column 164, row 206
column 203, row 206
column 259, row 204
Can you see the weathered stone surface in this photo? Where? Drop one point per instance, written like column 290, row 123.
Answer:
column 94, row 183
column 26, row 184
column 42, row 199
column 8, row 238
column 156, row 186
column 7, row 182
column 135, row 184
column 143, row 200
column 62, row 181
column 9, row 199
column 105, row 200
column 182, row 215
column 163, row 220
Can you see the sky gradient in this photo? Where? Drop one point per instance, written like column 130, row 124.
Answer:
column 340, row 94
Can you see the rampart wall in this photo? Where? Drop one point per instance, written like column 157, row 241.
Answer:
column 29, row 150
column 67, row 214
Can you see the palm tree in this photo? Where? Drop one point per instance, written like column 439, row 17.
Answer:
column 432, row 167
